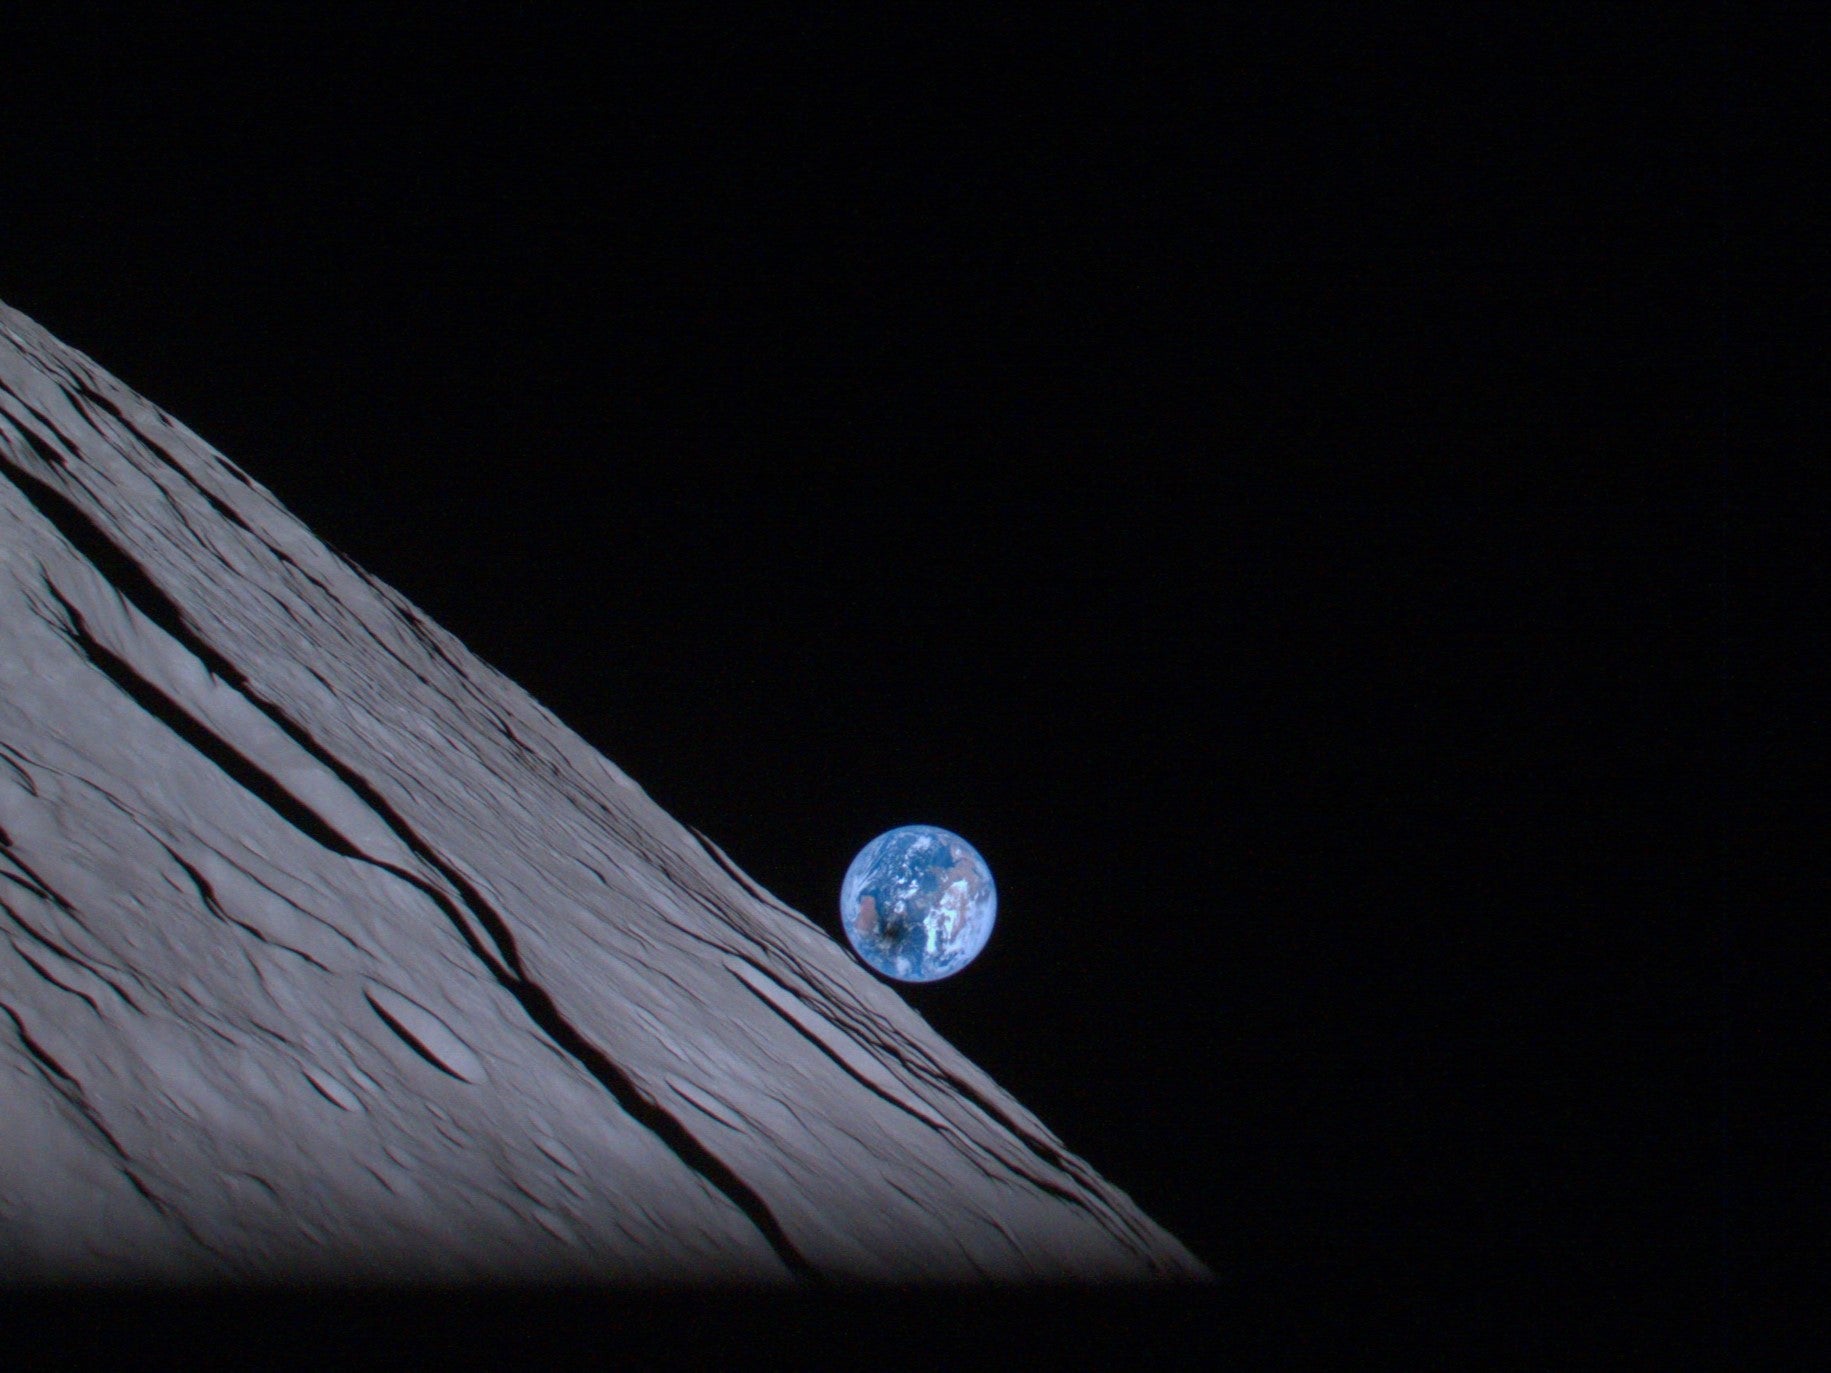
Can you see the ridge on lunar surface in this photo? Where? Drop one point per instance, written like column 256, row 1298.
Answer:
column 329, row 954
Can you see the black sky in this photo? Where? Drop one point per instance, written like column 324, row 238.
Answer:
column 1250, row 471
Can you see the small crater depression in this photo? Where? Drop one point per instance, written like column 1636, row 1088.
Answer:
column 332, row 1090
column 428, row 1036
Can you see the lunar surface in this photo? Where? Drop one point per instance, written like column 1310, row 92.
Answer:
column 918, row 903
column 329, row 954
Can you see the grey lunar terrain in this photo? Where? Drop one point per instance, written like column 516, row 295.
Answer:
column 328, row 954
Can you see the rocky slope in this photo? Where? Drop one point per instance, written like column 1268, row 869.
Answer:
column 330, row 955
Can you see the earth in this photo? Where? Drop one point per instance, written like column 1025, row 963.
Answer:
column 918, row 903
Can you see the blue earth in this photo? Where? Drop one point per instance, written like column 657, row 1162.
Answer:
column 918, row 903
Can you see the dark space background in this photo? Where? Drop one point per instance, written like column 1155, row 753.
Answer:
column 1253, row 471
